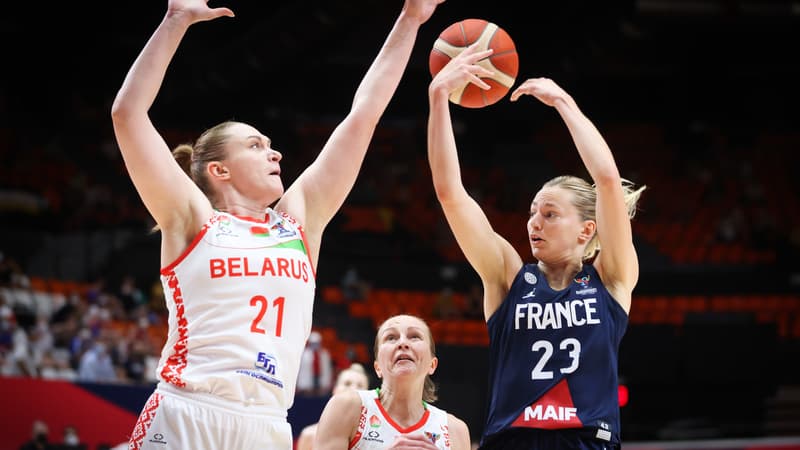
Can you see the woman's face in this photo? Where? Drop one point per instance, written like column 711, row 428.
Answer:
column 554, row 226
column 252, row 165
column 404, row 349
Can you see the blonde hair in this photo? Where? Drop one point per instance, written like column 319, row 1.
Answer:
column 584, row 198
column 193, row 158
column 210, row 146
column 429, row 390
column 356, row 367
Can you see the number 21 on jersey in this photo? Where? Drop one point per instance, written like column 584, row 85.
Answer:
column 264, row 306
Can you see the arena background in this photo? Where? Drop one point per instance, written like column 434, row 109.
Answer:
column 697, row 98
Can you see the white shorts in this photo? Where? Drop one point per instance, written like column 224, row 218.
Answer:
column 198, row 422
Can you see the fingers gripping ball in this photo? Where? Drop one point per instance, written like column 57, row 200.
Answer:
column 504, row 61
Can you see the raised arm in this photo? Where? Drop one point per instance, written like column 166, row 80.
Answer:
column 338, row 422
column 321, row 189
column 617, row 262
column 170, row 196
column 492, row 257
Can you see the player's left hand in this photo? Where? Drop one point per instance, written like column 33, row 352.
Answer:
column 421, row 9
column 463, row 69
column 545, row 89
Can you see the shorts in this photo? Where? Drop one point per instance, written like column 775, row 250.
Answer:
column 534, row 438
column 169, row 421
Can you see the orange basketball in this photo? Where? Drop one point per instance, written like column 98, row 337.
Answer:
column 504, row 61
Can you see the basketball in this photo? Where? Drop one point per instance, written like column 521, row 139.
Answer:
column 504, row 61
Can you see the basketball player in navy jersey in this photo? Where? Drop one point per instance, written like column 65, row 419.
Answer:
column 554, row 325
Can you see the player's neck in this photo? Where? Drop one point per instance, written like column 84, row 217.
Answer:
column 560, row 276
column 403, row 405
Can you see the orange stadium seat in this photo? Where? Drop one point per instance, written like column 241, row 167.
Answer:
column 332, row 294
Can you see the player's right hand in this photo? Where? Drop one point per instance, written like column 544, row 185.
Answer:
column 195, row 11
column 463, row 69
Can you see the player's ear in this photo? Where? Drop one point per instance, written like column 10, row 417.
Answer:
column 434, row 365
column 587, row 231
column 216, row 169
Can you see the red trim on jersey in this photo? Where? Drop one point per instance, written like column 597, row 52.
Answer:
column 355, row 439
column 176, row 362
column 553, row 410
column 308, row 250
column 144, row 421
column 362, row 423
column 396, row 426
column 169, row 268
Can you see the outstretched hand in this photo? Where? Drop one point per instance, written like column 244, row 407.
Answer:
column 421, row 9
column 463, row 69
column 545, row 89
column 196, row 10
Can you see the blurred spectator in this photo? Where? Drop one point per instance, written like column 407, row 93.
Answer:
column 473, row 302
column 136, row 362
column 65, row 320
column 158, row 303
column 71, row 440
column 39, row 437
column 130, row 295
column 731, row 226
column 95, row 290
column 80, row 343
column 96, row 365
column 316, row 368
column 353, row 287
column 6, row 329
column 9, row 269
column 19, row 360
column 55, row 365
column 445, row 308
column 41, row 340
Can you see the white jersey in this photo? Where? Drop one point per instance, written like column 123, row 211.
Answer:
column 376, row 430
column 240, row 302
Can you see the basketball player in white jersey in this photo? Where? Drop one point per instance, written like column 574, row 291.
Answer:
column 238, row 254
column 399, row 414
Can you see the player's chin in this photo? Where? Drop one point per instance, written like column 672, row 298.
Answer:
column 276, row 184
column 404, row 368
column 537, row 252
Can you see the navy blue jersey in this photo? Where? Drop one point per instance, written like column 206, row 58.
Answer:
column 553, row 356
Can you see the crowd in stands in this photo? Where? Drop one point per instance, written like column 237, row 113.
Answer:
column 74, row 331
